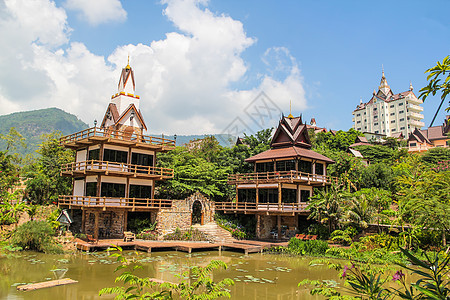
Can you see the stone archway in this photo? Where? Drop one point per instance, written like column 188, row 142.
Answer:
column 197, row 213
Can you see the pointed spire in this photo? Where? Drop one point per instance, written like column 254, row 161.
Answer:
column 128, row 64
column 290, row 110
column 410, row 86
column 384, row 86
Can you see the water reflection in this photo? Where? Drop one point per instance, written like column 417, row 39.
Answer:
column 257, row 276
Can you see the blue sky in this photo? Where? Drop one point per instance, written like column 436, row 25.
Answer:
column 200, row 64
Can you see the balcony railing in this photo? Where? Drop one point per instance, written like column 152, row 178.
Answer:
column 97, row 166
column 110, row 202
column 280, row 176
column 415, row 115
column 415, row 107
column 417, row 123
column 128, row 137
column 261, row 207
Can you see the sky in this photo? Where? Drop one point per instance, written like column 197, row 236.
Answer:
column 204, row 67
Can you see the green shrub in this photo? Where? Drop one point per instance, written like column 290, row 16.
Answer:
column 311, row 247
column 36, row 235
column 147, row 235
column 186, row 235
column 382, row 240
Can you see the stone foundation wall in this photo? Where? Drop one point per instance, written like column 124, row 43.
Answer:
column 180, row 214
column 268, row 223
column 111, row 223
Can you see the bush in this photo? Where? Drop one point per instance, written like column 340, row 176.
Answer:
column 147, row 235
column 186, row 235
column 382, row 240
column 36, row 235
column 311, row 247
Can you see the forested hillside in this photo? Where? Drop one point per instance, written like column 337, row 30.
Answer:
column 32, row 124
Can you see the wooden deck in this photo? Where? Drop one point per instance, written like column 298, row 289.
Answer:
column 245, row 246
column 281, row 176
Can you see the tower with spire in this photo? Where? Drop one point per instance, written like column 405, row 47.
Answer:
column 387, row 114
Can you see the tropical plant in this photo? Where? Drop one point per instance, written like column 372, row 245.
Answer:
column 326, row 206
column 438, row 81
column 35, row 235
column 196, row 283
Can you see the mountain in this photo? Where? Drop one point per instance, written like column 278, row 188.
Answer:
column 32, row 124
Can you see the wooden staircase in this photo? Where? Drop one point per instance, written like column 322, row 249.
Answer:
column 215, row 233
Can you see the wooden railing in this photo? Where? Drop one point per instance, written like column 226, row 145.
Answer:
column 280, row 176
column 87, row 201
column 270, row 207
column 119, row 135
column 107, row 166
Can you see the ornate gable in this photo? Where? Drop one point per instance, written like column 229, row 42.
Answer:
column 291, row 132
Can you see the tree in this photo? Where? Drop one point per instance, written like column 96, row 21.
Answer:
column 326, row 206
column 438, row 81
column 45, row 183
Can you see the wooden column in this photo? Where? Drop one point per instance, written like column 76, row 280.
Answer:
column 99, row 184
column 153, row 189
column 127, row 188
column 97, row 216
column 100, row 155
column 298, row 194
column 279, row 226
column 279, row 195
column 257, row 195
column 258, row 226
column 313, row 167
column 237, row 195
column 129, row 155
column 83, row 221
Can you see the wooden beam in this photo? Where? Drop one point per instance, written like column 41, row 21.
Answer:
column 83, row 220
column 279, row 226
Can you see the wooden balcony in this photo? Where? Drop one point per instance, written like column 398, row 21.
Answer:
column 266, row 208
column 110, row 202
column 281, row 176
column 96, row 135
column 96, row 167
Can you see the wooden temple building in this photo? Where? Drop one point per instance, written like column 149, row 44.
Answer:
column 114, row 173
column 278, row 190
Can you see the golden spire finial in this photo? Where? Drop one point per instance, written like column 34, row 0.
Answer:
column 290, row 110
column 128, row 64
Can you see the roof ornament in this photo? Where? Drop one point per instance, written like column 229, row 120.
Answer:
column 410, row 86
column 290, row 110
column 128, row 64
column 382, row 70
column 374, row 92
column 360, row 101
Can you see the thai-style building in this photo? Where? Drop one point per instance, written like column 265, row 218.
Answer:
column 282, row 182
column 422, row 140
column 114, row 173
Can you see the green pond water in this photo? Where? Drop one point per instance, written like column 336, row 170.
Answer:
column 257, row 276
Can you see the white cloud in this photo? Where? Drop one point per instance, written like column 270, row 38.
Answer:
column 98, row 11
column 186, row 80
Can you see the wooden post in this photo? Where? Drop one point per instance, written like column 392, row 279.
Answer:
column 279, row 226
column 83, row 220
column 202, row 222
column 99, row 183
column 127, row 188
column 279, row 195
column 237, row 195
column 258, row 226
column 97, row 216
column 257, row 195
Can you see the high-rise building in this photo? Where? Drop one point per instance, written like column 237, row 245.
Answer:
column 389, row 114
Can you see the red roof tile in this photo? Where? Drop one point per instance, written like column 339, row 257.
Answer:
column 295, row 152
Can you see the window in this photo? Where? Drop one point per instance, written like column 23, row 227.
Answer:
column 140, row 191
column 288, row 195
column 358, row 115
column 319, row 169
column 247, row 195
column 304, row 196
column 91, row 189
column 402, row 128
column 392, row 106
column 358, row 122
column 402, row 111
column 402, row 119
column 365, row 120
column 392, row 114
column 393, row 130
column 393, row 121
column 285, row 165
column 305, row 166
column 359, row 129
column 364, row 112
column 375, row 124
column 115, row 156
column 374, row 109
column 264, row 167
column 400, row 104
column 141, row 159
column 265, row 195
column 94, row 154
column 376, row 131
column 413, row 144
column 112, row 190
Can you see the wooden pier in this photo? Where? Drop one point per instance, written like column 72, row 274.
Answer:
column 45, row 284
column 148, row 246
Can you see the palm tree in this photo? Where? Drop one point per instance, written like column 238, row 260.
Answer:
column 326, row 206
column 360, row 212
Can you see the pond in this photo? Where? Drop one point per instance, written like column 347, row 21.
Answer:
column 257, row 276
